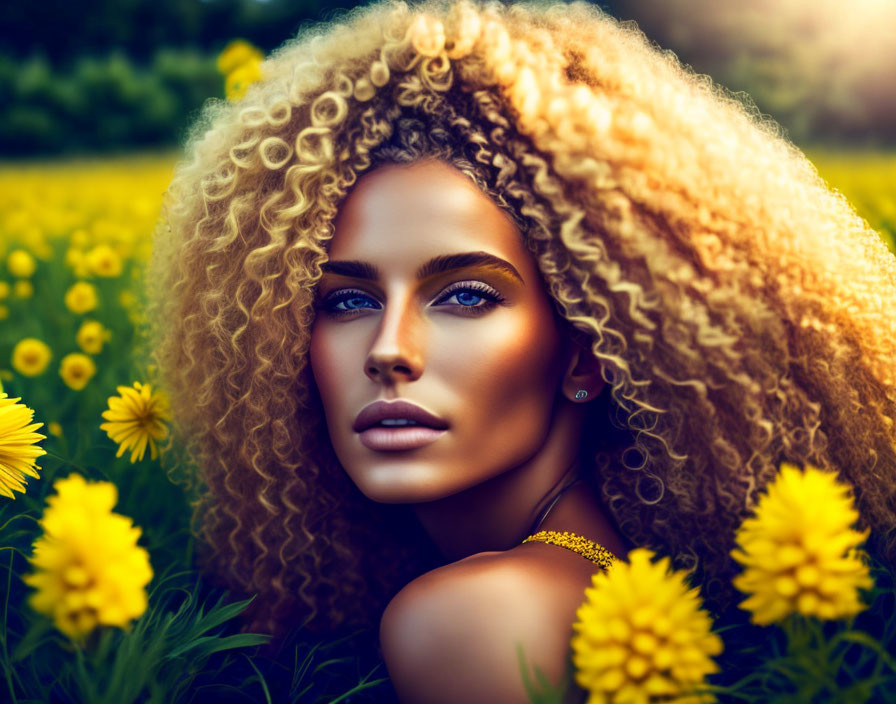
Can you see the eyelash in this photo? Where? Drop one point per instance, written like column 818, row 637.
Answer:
column 490, row 297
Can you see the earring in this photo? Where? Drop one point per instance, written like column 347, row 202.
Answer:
column 581, row 393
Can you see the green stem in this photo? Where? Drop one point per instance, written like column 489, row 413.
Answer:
column 11, row 671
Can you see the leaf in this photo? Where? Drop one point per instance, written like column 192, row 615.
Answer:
column 205, row 646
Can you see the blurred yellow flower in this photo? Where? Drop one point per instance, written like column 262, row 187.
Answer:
column 799, row 552
column 30, row 357
column 642, row 635
column 54, row 428
column 4, row 290
column 91, row 336
column 81, row 297
column 4, row 312
column 77, row 261
column 137, row 418
column 17, row 449
column 78, row 239
column 76, row 370
column 89, row 570
column 127, row 299
column 104, row 261
column 235, row 54
column 23, row 289
column 20, row 263
column 238, row 81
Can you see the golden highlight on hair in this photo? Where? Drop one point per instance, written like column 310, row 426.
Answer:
column 741, row 310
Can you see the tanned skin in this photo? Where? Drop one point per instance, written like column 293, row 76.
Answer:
column 493, row 363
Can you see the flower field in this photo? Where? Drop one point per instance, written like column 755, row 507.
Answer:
column 100, row 599
column 101, row 602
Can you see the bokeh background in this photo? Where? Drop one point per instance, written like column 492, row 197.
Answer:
column 96, row 98
column 104, row 75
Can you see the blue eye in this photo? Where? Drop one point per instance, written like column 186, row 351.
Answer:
column 463, row 297
column 471, row 294
column 473, row 298
column 353, row 300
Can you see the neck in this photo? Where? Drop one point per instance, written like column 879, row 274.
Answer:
column 497, row 514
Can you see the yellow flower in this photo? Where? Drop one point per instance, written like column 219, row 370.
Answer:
column 4, row 312
column 799, row 552
column 4, row 290
column 81, row 297
column 78, row 239
column 91, row 336
column 23, row 289
column 89, row 569
column 235, row 54
column 104, row 261
column 17, row 449
column 30, row 357
column 54, row 428
column 77, row 260
column 642, row 634
column 76, row 370
column 20, row 263
column 238, row 81
column 137, row 418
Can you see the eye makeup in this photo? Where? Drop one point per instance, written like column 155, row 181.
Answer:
column 462, row 291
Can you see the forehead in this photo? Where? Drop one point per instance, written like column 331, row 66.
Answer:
column 419, row 211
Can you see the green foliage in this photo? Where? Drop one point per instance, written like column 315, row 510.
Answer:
column 807, row 661
column 102, row 104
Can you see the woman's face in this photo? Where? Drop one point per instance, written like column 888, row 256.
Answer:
column 430, row 297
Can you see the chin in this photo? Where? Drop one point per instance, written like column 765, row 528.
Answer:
column 401, row 485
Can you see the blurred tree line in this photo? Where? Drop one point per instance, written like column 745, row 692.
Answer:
column 824, row 69
column 98, row 75
column 102, row 75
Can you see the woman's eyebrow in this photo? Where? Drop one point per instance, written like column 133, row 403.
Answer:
column 436, row 265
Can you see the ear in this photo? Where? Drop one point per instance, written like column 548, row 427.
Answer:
column 582, row 374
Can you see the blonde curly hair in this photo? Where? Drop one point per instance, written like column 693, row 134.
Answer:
column 741, row 310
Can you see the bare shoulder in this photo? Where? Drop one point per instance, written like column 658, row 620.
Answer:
column 452, row 634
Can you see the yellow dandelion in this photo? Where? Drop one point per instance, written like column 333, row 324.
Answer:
column 5, row 289
column 76, row 370
column 235, row 54
column 30, row 357
column 238, row 81
column 642, row 634
column 102, row 260
column 54, row 428
column 799, row 553
column 23, row 289
column 89, row 570
column 21, row 264
column 81, row 297
column 137, row 419
column 91, row 336
column 17, row 449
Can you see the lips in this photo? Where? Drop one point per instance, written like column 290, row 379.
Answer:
column 377, row 411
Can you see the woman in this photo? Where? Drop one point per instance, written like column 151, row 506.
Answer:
column 614, row 297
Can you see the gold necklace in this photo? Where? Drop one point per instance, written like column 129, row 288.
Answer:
column 598, row 554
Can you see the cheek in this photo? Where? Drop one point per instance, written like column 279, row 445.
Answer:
column 323, row 356
column 511, row 361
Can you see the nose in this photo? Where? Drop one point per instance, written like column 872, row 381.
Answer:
column 396, row 354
